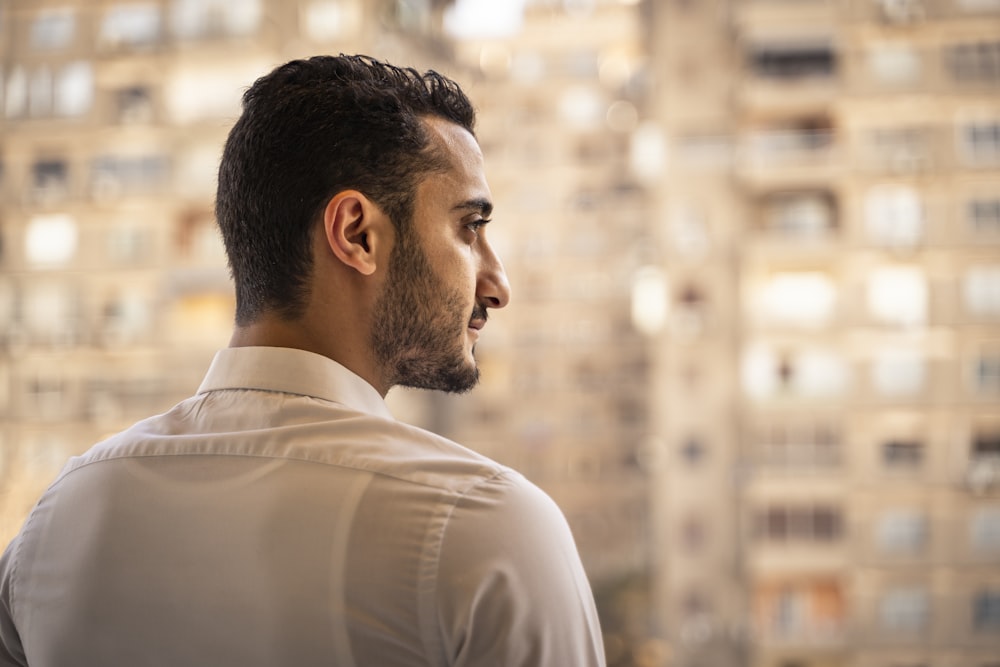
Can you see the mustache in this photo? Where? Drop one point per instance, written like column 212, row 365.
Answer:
column 479, row 312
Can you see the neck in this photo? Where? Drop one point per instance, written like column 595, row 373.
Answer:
column 343, row 346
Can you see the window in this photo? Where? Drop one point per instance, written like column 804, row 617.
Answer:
column 52, row 29
column 16, row 92
column 793, row 61
column 986, row 611
column 984, row 530
column 49, row 311
column 197, row 19
column 407, row 16
column 979, row 142
column 74, row 89
column 901, row 11
column 803, row 214
column 894, row 215
column 894, row 64
column 134, row 104
column 198, row 239
column 826, row 524
column 40, row 91
column 129, row 244
column 897, row 295
column 902, row 531
column 326, row 20
column 811, row 608
column 986, row 444
column 649, row 300
column 46, row 397
column 121, row 175
column 130, row 25
column 805, row 139
column 208, row 90
column 902, row 453
column 794, row 445
column 899, row 150
column 898, row 372
column 50, row 180
column 125, row 317
column 983, row 215
column 808, row 373
column 979, row 5
column 50, row 239
column 804, row 299
column 799, row 523
column 43, row 91
column 905, row 609
column 977, row 62
column 689, row 313
column 986, row 372
column 981, row 290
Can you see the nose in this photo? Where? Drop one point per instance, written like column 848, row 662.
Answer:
column 492, row 288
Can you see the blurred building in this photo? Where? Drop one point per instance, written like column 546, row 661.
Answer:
column 565, row 372
column 828, row 217
column 753, row 349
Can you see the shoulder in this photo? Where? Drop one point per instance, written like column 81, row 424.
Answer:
column 510, row 584
column 304, row 430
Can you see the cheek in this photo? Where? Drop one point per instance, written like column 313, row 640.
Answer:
column 459, row 271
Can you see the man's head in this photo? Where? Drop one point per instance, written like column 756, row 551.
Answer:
column 310, row 129
column 353, row 202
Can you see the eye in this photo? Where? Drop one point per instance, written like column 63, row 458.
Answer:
column 475, row 225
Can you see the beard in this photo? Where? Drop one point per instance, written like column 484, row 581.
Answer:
column 417, row 334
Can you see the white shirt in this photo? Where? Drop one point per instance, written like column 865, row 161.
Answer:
column 281, row 516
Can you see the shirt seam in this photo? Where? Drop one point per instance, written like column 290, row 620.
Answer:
column 15, row 565
column 483, row 477
column 439, row 549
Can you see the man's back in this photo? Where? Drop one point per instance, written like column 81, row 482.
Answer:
column 282, row 517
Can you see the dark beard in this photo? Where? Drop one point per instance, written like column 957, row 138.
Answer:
column 416, row 336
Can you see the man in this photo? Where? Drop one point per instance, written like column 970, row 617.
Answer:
column 281, row 516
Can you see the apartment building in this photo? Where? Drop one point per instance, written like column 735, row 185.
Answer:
column 753, row 349
column 837, row 164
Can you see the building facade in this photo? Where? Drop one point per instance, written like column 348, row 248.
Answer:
column 838, row 164
column 753, row 349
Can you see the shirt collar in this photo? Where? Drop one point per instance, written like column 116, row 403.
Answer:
column 292, row 371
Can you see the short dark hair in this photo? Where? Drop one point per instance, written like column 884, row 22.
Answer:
column 310, row 129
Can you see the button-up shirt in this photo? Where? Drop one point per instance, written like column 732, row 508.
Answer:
column 281, row 516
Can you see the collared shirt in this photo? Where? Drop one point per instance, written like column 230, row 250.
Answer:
column 281, row 516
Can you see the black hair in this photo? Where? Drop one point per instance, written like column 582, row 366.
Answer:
column 310, row 129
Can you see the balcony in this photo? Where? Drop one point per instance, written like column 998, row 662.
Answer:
column 915, row 12
column 784, row 73
column 801, row 154
column 922, row 616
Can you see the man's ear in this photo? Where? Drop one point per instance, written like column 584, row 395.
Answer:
column 353, row 226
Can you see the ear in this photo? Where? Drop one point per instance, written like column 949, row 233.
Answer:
column 352, row 223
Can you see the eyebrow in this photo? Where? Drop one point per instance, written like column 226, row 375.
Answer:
column 481, row 204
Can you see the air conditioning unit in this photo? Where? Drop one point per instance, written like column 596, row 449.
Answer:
column 902, row 11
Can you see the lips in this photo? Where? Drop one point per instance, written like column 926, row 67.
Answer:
column 479, row 318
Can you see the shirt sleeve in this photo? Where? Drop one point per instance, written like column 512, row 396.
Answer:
column 511, row 589
column 11, row 651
